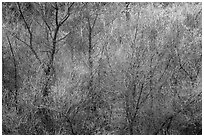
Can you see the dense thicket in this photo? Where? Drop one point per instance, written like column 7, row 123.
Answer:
column 101, row 68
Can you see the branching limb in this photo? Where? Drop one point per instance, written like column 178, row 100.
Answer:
column 67, row 15
column 30, row 34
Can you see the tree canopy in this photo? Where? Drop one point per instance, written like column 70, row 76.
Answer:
column 87, row 68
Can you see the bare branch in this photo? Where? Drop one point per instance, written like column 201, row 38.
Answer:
column 138, row 102
column 56, row 14
column 27, row 27
column 15, row 36
column 66, row 16
column 136, row 31
column 94, row 21
column 49, row 28
column 63, row 37
column 30, row 33
column 47, row 25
